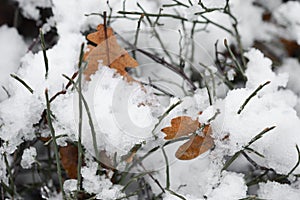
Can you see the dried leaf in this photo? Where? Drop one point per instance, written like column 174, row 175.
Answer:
column 69, row 159
column 180, row 126
column 130, row 155
column 291, row 46
column 108, row 51
column 106, row 161
column 196, row 145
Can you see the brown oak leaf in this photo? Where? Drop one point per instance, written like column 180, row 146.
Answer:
column 180, row 126
column 69, row 159
column 197, row 144
column 107, row 51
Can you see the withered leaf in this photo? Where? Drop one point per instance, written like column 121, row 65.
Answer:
column 180, row 126
column 108, row 51
column 197, row 144
column 106, row 161
column 291, row 46
column 69, row 159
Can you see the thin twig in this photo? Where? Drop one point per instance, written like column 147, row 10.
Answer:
column 137, row 34
column 22, row 82
column 49, row 120
column 167, row 169
column 298, row 162
column 158, row 88
column 154, row 179
column 160, row 15
column 175, row 194
column 260, row 135
column 90, row 120
column 11, row 178
column 237, row 63
column 161, row 61
column 80, row 150
column 43, row 44
column 106, row 39
column 254, row 139
column 252, row 95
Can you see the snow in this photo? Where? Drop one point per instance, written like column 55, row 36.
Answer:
column 292, row 67
column 3, row 176
column 30, row 8
column 12, row 53
column 276, row 191
column 70, row 185
column 28, row 157
column 287, row 14
column 127, row 113
column 261, row 112
column 259, row 71
column 232, row 186
column 99, row 185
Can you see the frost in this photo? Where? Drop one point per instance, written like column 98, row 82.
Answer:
column 28, row 157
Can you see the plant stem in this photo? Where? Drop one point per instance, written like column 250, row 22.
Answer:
column 237, row 63
column 298, row 162
column 167, row 169
column 159, row 15
column 22, row 82
column 106, row 39
column 80, row 151
column 43, row 44
column 175, row 194
column 161, row 61
column 137, row 34
column 252, row 95
column 90, row 120
column 236, row 155
column 49, row 120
